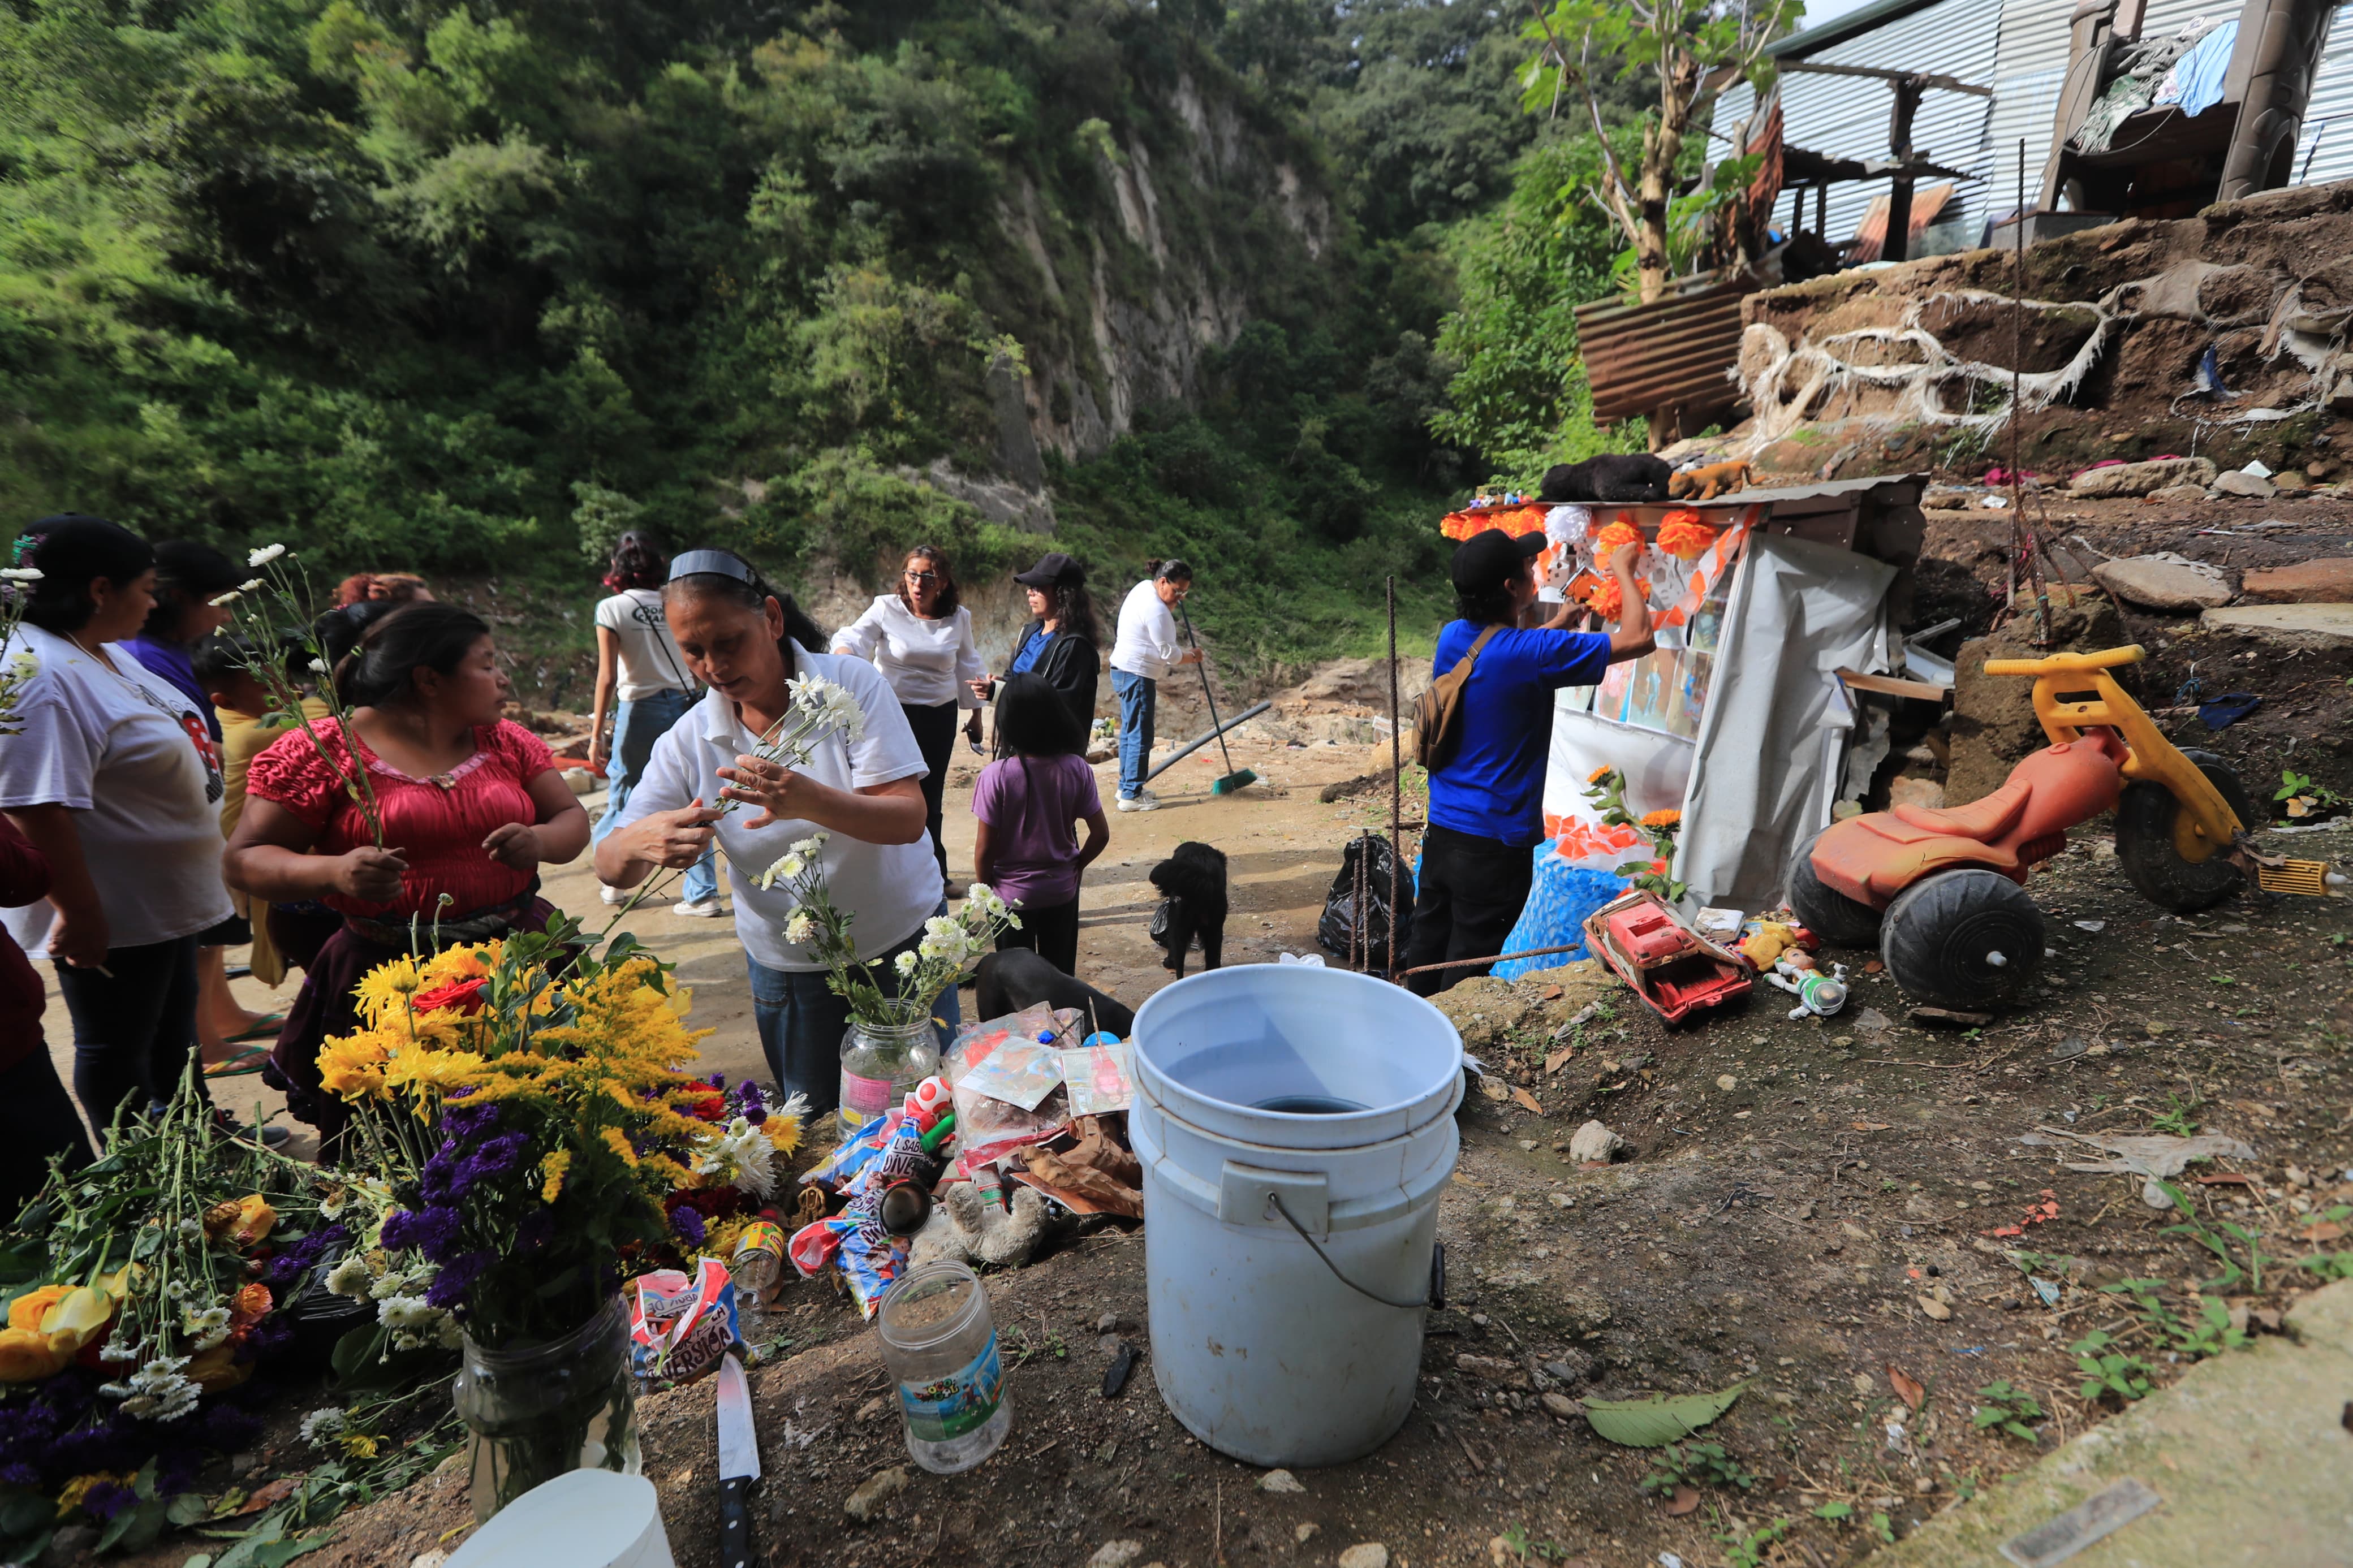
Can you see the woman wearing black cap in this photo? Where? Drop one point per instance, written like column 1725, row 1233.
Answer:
column 1059, row 647
column 1486, row 799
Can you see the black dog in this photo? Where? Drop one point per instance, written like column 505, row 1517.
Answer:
column 1193, row 878
column 1018, row 977
column 1611, row 476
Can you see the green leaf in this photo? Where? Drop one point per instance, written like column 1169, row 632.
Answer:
column 1655, row 1422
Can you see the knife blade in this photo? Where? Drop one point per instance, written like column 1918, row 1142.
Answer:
column 739, row 1463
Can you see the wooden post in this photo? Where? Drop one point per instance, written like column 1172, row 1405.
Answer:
column 1897, row 246
column 1397, row 784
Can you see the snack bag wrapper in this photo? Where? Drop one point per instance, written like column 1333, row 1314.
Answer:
column 679, row 1325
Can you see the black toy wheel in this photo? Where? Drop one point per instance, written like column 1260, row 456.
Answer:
column 2145, row 818
column 1968, row 938
column 1823, row 909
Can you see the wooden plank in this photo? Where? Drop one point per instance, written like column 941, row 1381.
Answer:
column 1895, row 686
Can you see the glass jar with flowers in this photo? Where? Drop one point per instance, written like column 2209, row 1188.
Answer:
column 889, row 1046
column 561, row 1125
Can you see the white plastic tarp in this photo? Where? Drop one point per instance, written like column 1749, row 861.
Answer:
column 1799, row 612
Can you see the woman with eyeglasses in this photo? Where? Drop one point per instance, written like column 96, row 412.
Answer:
column 920, row 638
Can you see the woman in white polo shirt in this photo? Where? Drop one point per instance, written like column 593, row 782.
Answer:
column 1146, row 650
column 920, row 638
column 745, row 641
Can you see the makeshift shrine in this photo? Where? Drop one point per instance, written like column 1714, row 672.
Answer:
column 1736, row 734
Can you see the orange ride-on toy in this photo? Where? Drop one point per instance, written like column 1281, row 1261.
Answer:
column 1939, row 891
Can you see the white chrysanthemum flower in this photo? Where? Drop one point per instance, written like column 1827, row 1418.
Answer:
column 796, row 1107
column 319, row 665
column 783, row 868
column 206, row 1329
column 192, row 1228
column 800, row 929
column 21, row 573
column 810, row 845
column 218, row 600
column 265, row 555
column 323, row 1425
column 116, row 1352
column 409, row 1315
column 389, row 1287
column 905, row 964
column 352, row 1276
column 743, row 1154
column 157, row 1391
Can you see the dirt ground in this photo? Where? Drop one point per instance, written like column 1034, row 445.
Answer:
column 1795, row 1199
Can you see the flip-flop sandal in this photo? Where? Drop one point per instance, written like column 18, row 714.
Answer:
column 253, row 1058
column 265, row 1029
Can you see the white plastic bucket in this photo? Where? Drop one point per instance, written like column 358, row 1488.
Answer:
column 1258, row 1349
column 582, row 1519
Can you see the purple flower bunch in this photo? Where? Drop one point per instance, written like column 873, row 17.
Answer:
column 292, row 1262
column 473, row 1151
column 63, row 1429
column 689, row 1222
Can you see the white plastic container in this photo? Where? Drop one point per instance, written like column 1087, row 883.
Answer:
column 1257, row 1347
column 583, row 1519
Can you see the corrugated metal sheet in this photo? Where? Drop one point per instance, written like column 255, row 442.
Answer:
column 2326, row 139
column 1847, row 117
column 2031, row 65
column 1641, row 357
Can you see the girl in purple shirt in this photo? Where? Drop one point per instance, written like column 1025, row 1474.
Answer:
column 1029, row 802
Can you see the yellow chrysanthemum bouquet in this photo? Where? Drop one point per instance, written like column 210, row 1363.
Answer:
column 531, row 1104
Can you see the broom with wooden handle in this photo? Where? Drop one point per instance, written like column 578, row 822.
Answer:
column 1236, row 778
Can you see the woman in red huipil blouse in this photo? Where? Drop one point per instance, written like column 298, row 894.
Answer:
column 37, row 1119
column 472, row 805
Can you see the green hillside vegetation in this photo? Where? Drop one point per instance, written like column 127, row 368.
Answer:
column 452, row 286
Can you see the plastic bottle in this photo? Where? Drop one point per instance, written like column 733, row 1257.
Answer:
column 940, row 1345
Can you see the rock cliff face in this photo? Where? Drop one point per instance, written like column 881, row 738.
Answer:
column 1126, row 281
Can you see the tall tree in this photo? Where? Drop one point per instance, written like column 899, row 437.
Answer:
column 1692, row 52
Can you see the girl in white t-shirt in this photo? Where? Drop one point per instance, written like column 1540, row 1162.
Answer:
column 920, row 638
column 638, row 659
column 113, row 777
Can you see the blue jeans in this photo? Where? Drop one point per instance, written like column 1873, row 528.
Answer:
column 801, row 1022
column 1138, row 695
column 636, row 724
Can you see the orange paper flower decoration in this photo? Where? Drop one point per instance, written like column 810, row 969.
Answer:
column 1607, row 542
column 1605, row 602
column 1685, row 536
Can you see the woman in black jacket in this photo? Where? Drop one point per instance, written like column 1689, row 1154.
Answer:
column 1059, row 647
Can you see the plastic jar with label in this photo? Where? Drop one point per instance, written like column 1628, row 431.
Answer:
column 939, row 1344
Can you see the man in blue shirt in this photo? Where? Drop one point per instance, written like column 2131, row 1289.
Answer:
column 1486, row 803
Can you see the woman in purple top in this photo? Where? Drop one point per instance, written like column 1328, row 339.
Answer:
column 1028, row 802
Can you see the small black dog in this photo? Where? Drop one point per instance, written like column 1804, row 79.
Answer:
column 1193, row 878
column 1611, row 476
column 1018, row 977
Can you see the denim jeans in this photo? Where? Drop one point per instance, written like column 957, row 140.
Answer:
column 801, row 1022
column 638, row 723
column 1138, row 695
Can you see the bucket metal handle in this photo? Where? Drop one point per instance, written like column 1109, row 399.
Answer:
column 1435, row 1297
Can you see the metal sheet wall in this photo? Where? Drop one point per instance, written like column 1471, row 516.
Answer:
column 2324, row 149
column 1847, row 117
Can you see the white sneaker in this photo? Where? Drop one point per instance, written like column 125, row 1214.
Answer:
column 1138, row 803
column 699, row 908
column 614, row 895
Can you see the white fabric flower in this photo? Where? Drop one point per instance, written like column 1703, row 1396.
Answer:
column 265, row 555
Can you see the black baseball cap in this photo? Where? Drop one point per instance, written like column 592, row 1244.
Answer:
column 1052, row 567
column 1490, row 557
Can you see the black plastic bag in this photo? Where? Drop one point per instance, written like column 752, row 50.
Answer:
column 1337, row 932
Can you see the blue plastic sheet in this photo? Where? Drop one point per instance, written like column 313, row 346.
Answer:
column 1558, row 901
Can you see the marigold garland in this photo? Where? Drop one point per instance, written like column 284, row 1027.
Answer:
column 1685, row 536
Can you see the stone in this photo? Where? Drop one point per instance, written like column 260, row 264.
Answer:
column 1280, row 1481
column 1936, row 1311
column 1562, row 1406
column 2235, row 483
column 1594, row 1144
column 1494, row 1368
column 432, row 1559
column 2178, row 493
column 876, row 1490
column 1107, row 1322
column 1305, row 1532
column 2325, row 625
column 2340, row 397
column 2326, row 580
column 1993, row 723
column 2165, row 582
column 1903, row 789
column 869, row 1411
column 1115, row 1555
column 1365, row 1554
column 2141, row 479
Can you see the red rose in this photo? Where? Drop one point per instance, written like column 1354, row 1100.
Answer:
column 459, row 995
column 711, row 1108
